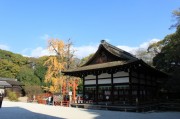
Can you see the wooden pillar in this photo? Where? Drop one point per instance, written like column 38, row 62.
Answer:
column 156, row 87
column 130, row 87
column 96, row 98
column 112, row 89
column 138, row 90
column 83, row 88
column 151, row 93
column 145, row 77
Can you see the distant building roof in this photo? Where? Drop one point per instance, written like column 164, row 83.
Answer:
column 11, row 81
column 4, row 84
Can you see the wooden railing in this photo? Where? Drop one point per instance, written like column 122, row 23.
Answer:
column 61, row 103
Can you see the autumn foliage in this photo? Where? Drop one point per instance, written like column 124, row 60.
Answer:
column 62, row 60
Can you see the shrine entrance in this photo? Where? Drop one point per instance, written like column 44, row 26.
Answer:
column 90, row 94
column 121, row 94
column 104, row 94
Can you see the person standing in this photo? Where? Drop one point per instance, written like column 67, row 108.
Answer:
column 1, row 99
column 49, row 100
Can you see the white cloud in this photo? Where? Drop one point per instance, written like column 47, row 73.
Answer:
column 39, row 51
column 83, row 51
column 4, row 47
column 146, row 44
column 141, row 46
column 128, row 49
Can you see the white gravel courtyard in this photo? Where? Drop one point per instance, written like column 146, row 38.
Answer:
column 21, row 110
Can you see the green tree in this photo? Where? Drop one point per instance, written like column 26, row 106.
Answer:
column 8, row 69
column 168, row 59
column 26, row 75
column 40, row 70
column 176, row 15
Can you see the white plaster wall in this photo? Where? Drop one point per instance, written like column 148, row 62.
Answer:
column 90, row 77
column 119, row 74
column 104, row 81
column 104, row 75
column 89, row 82
column 121, row 80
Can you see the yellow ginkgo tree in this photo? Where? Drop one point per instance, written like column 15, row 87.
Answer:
column 61, row 60
column 55, row 64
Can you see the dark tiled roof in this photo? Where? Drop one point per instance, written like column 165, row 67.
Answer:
column 124, row 60
column 117, row 52
column 4, row 84
column 100, row 66
column 12, row 81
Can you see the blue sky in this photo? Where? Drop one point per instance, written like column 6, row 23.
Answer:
column 25, row 25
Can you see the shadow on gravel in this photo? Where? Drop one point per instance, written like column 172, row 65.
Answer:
column 21, row 113
column 105, row 114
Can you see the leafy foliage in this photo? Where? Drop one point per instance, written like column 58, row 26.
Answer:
column 8, row 69
column 63, row 60
column 55, row 64
column 176, row 15
column 10, row 63
column 12, row 96
column 32, row 90
column 168, row 59
column 26, row 75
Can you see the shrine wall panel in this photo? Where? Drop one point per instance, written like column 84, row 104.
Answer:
column 90, row 82
column 104, row 75
column 120, row 74
column 121, row 80
column 104, row 81
column 90, row 77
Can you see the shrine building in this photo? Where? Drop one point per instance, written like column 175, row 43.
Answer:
column 117, row 77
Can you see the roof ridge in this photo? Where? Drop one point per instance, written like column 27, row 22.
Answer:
column 11, row 79
column 103, row 42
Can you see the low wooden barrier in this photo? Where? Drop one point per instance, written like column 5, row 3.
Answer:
column 63, row 103
column 42, row 101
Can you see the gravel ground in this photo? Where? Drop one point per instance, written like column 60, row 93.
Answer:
column 22, row 110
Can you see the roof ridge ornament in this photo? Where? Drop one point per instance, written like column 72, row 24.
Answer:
column 103, row 41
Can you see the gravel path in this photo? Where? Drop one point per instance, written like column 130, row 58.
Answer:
column 21, row 110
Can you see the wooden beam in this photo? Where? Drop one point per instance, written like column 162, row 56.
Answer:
column 138, row 91
column 83, row 88
column 130, row 86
